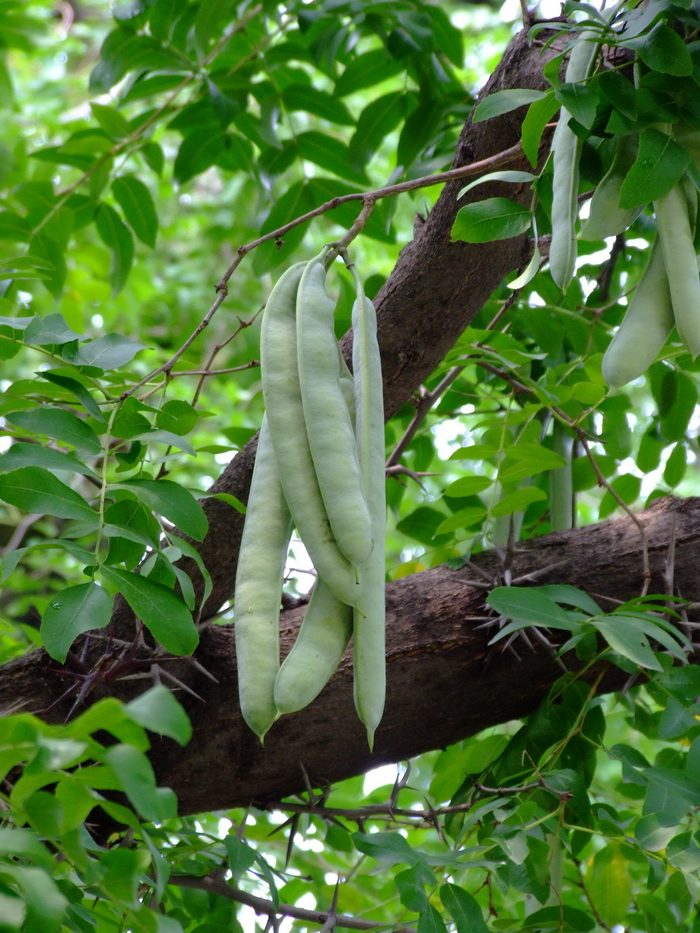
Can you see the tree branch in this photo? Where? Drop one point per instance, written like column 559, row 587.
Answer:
column 444, row 682
column 261, row 906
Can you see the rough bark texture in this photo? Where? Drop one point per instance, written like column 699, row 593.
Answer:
column 443, row 681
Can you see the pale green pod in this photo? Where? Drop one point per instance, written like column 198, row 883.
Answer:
column 369, row 651
column 566, row 152
column 347, row 385
column 676, row 236
column 328, row 424
column 258, row 592
column 322, row 639
column 606, row 217
column 645, row 327
column 282, row 394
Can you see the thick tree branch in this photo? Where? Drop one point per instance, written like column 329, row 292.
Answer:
column 444, row 683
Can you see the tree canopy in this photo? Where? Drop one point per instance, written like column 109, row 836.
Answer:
column 517, row 192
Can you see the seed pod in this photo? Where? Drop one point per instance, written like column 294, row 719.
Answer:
column 606, row 217
column 645, row 327
column 369, row 650
column 282, row 394
column 566, row 152
column 316, row 653
column 328, row 425
column 676, row 236
column 258, row 593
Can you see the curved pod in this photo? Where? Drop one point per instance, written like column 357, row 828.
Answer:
column 645, row 327
column 282, row 394
column 606, row 217
column 369, row 649
column 328, row 424
column 566, row 152
column 258, row 592
column 323, row 637
column 676, row 237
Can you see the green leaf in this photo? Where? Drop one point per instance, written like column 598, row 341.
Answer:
column 463, row 908
column 329, row 153
column 171, row 500
column 517, row 501
column 46, row 905
column 467, row 486
column 161, row 611
column 36, row 490
column 465, row 518
column 530, row 605
column 660, row 163
column 662, row 49
column 109, row 352
column 627, row 486
column 44, row 247
column 367, row 70
column 679, row 398
column 580, row 101
column 52, row 329
column 430, row 921
column 124, row 51
column 241, row 856
column 117, row 238
column 559, row 918
column 676, row 721
column 136, row 776
column 198, row 152
column 22, row 455
column 13, row 227
column 112, row 122
column 137, row 204
column 570, row 596
column 493, row 219
column 525, row 460
column 59, row 424
column 505, row 101
column 158, row 711
column 628, row 640
column 609, row 884
column 375, row 123
column 410, row 884
column 319, row 103
column 229, row 500
column 177, row 416
column 676, row 783
column 512, row 177
column 674, row 471
column 77, row 389
column 213, row 16
column 21, row 843
column 390, row 848
column 447, row 37
column 71, row 612
column 537, row 117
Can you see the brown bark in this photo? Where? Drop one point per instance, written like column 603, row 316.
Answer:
column 444, row 682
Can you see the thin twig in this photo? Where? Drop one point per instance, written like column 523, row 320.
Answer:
column 425, row 403
column 368, row 199
column 261, row 906
column 623, row 505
